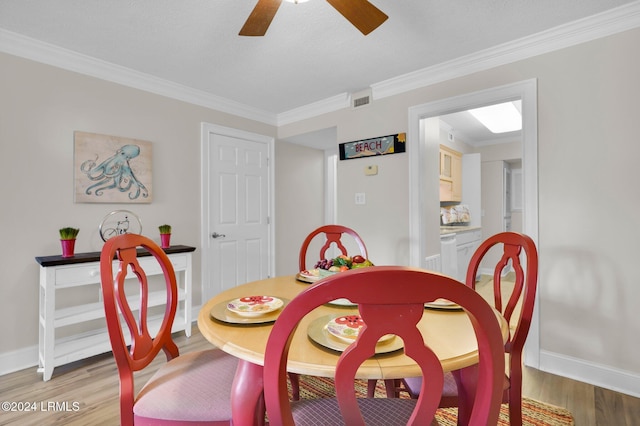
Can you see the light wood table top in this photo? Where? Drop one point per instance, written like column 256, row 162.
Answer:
column 447, row 332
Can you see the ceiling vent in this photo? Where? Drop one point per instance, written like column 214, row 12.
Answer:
column 361, row 99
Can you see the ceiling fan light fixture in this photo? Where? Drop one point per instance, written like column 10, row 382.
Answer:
column 499, row 118
column 362, row 15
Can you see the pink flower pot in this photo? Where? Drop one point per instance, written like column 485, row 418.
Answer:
column 165, row 240
column 68, row 247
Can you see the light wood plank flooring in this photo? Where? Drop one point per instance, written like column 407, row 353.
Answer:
column 92, row 384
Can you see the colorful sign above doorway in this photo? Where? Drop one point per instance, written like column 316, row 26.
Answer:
column 383, row 145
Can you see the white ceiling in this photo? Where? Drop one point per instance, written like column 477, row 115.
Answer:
column 468, row 129
column 309, row 54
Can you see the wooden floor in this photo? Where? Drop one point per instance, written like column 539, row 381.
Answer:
column 86, row 393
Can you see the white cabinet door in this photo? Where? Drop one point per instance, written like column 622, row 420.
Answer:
column 467, row 243
column 465, row 251
column 448, row 255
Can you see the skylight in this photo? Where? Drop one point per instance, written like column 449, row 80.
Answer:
column 499, row 118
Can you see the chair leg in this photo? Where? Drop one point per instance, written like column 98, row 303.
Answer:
column 247, row 394
column 260, row 412
column 392, row 386
column 515, row 406
column 466, row 395
column 371, row 388
column 294, row 379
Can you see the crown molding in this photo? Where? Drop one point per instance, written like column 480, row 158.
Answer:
column 32, row 49
column 334, row 103
column 607, row 23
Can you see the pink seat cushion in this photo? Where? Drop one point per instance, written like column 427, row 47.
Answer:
column 375, row 411
column 175, row 390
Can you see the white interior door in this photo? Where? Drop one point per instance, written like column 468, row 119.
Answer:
column 237, row 240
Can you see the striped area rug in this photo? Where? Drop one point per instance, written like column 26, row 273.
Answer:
column 534, row 413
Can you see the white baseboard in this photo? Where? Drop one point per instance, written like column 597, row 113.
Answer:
column 489, row 271
column 595, row 374
column 19, row 360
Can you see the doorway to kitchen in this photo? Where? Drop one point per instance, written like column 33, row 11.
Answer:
column 424, row 220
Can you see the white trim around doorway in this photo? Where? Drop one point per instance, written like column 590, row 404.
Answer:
column 423, row 218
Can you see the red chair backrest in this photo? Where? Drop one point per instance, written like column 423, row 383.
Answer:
column 144, row 347
column 333, row 234
column 391, row 301
column 514, row 245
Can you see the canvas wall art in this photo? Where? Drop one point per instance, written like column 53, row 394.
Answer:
column 111, row 169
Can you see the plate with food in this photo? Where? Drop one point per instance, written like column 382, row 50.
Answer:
column 253, row 306
column 221, row 312
column 347, row 327
column 343, row 302
column 308, row 276
column 318, row 332
column 313, row 275
column 442, row 304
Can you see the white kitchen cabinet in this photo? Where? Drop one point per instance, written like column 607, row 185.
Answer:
column 448, row 255
column 450, row 174
column 67, row 328
column 456, row 249
column 466, row 244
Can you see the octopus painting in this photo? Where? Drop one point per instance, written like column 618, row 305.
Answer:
column 115, row 174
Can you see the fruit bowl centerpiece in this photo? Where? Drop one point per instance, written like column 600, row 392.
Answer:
column 327, row 267
column 343, row 263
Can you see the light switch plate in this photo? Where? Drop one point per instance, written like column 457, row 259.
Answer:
column 360, row 198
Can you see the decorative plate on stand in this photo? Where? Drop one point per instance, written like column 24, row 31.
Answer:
column 119, row 222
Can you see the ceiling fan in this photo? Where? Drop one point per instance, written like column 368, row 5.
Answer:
column 362, row 14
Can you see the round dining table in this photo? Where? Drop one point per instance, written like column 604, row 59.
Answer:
column 446, row 330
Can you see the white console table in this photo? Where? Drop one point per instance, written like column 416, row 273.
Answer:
column 83, row 270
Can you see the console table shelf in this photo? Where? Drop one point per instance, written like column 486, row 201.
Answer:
column 59, row 273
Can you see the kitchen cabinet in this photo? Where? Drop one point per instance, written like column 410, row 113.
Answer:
column 466, row 244
column 456, row 249
column 450, row 174
column 448, row 255
column 73, row 327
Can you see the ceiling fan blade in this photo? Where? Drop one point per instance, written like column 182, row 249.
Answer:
column 362, row 14
column 260, row 18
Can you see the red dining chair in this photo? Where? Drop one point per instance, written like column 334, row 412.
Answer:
column 193, row 388
column 333, row 235
column 390, row 301
column 518, row 311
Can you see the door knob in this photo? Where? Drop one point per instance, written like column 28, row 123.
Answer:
column 216, row 235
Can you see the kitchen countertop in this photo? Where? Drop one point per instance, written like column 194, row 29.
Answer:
column 444, row 230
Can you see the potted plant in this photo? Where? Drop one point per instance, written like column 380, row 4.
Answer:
column 68, row 239
column 165, row 235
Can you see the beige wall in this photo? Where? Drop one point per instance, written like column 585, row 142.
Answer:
column 299, row 187
column 587, row 125
column 40, row 108
column 382, row 221
column 587, row 122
